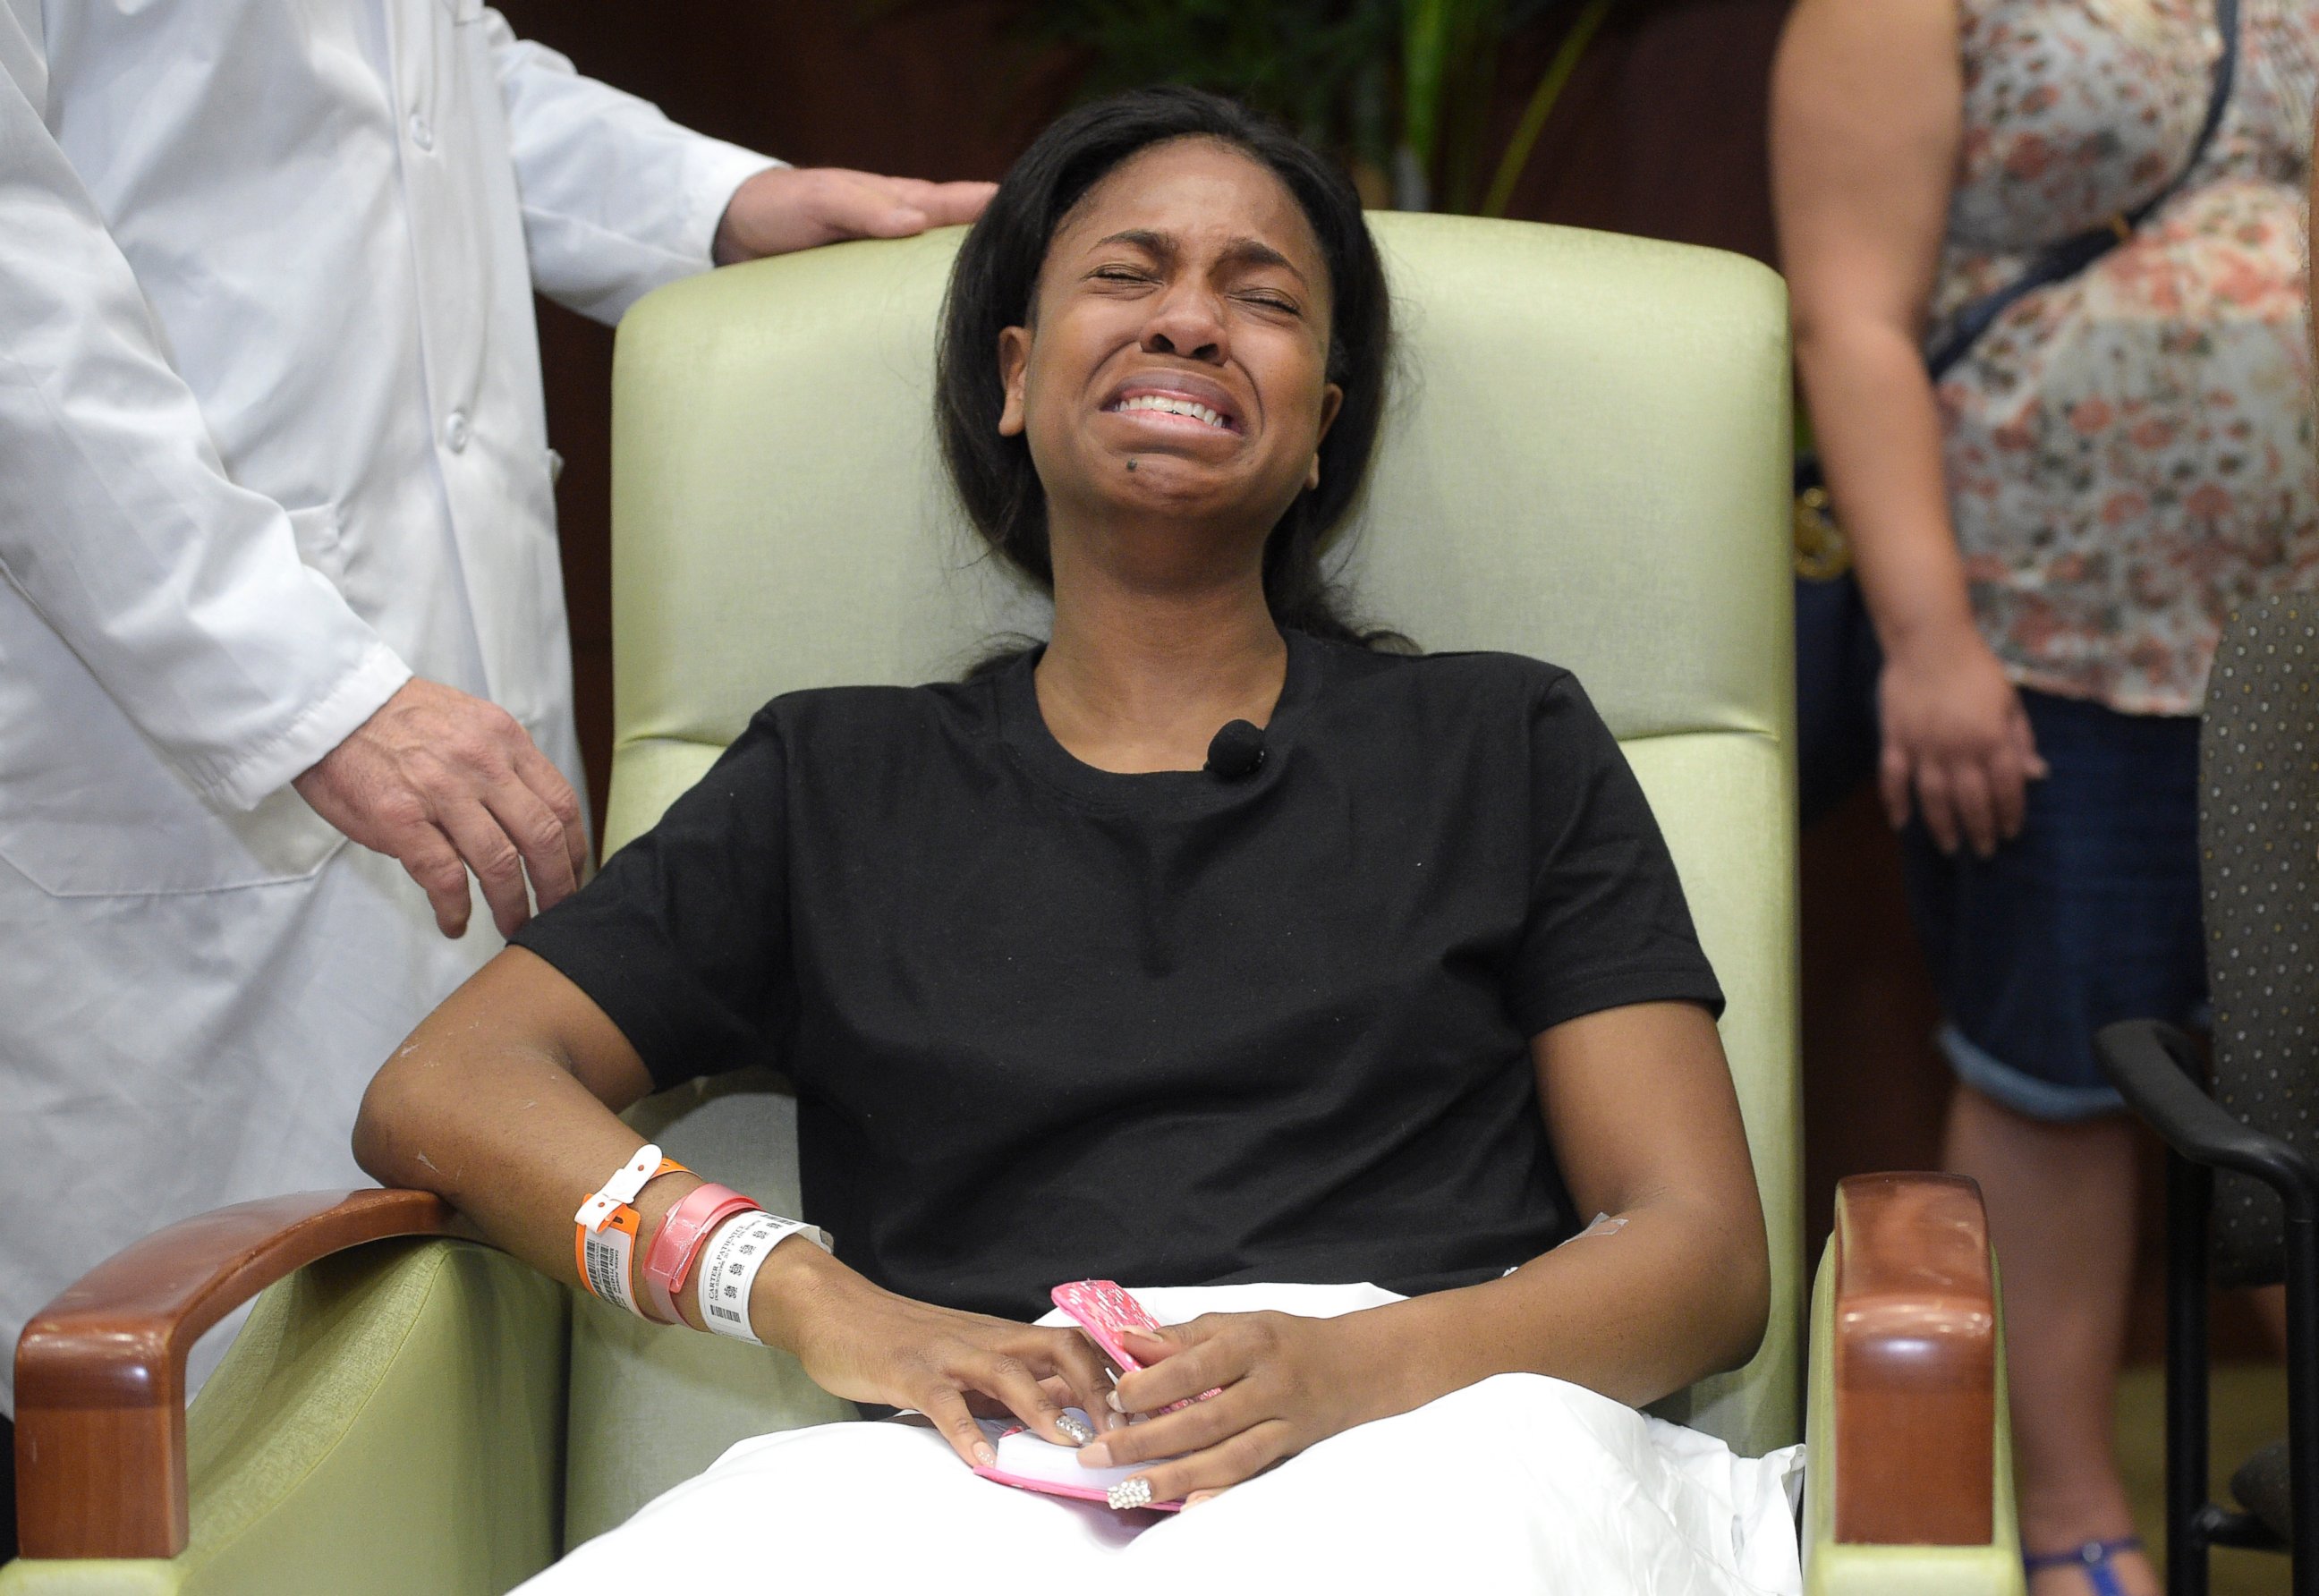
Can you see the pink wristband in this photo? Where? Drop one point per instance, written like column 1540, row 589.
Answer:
column 680, row 1240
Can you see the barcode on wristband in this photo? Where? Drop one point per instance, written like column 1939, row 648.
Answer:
column 729, row 1271
column 606, row 1254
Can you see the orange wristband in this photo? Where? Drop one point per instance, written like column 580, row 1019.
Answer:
column 604, row 1228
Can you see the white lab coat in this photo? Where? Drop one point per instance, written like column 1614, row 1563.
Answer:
column 271, row 440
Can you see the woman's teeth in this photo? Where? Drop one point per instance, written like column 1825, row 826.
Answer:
column 1174, row 407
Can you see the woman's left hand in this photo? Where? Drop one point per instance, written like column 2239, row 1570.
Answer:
column 1281, row 1383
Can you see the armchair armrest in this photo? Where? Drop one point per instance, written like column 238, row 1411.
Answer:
column 2153, row 1067
column 100, row 1371
column 1914, row 1361
column 1909, row 1485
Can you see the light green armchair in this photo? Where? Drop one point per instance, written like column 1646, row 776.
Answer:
column 1584, row 460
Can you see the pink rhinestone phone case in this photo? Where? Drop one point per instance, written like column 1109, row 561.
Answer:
column 1104, row 1310
column 1103, row 1307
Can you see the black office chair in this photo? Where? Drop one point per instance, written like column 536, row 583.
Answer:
column 2253, row 1223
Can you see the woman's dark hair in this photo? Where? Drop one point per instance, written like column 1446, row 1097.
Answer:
column 998, row 271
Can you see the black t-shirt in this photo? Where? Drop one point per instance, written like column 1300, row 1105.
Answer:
column 1048, row 1021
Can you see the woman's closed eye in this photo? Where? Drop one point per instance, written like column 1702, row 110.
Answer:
column 1268, row 300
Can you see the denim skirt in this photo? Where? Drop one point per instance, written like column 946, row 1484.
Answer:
column 2090, row 915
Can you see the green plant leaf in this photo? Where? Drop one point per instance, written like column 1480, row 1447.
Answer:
column 1312, row 64
column 1542, row 101
column 1405, row 85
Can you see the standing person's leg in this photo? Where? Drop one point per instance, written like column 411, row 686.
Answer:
column 2271, row 1310
column 2090, row 915
column 2060, row 1212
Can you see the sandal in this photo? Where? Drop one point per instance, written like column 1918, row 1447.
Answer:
column 2094, row 1558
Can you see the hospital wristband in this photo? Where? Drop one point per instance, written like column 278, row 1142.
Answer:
column 730, row 1262
column 683, row 1230
column 605, row 1227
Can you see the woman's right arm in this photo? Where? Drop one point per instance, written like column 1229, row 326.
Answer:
column 1866, row 123
column 504, row 1101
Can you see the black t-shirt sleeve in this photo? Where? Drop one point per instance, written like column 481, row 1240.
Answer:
column 684, row 938
column 1606, row 923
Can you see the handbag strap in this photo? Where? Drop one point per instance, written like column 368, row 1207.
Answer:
column 2073, row 255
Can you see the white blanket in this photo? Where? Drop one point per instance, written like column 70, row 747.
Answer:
column 1518, row 1484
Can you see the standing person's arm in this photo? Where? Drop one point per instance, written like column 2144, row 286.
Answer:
column 1866, row 126
column 619, row 200
column 183, row 594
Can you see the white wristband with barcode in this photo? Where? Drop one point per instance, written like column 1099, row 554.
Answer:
column 727, row 1270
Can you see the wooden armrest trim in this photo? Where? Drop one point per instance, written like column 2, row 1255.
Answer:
column 100, row 1371
column 1916, row 1350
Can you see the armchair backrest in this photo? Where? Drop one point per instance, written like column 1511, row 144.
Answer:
column 2257, row 818
column 1584, row 461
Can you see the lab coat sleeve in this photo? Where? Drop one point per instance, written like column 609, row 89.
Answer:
column 618, row 200
column 182, row 593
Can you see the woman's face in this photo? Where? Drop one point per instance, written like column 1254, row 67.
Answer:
column 1176, row 363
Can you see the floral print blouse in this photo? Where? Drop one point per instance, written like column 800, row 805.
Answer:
column 2130, row 452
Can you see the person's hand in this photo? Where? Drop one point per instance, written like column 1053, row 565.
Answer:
column 1283, row 1383
column 869, row 1345
column 1956, row 737
column 445, row 783
column 787, row 208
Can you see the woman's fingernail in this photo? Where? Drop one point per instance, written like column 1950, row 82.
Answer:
column 1197, row 1498
column 1130, row 1494
column 1112, row 1397
column 1079, row 1432
column 1096, row 1455
column 983, row 1454
column 1113, row 1420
